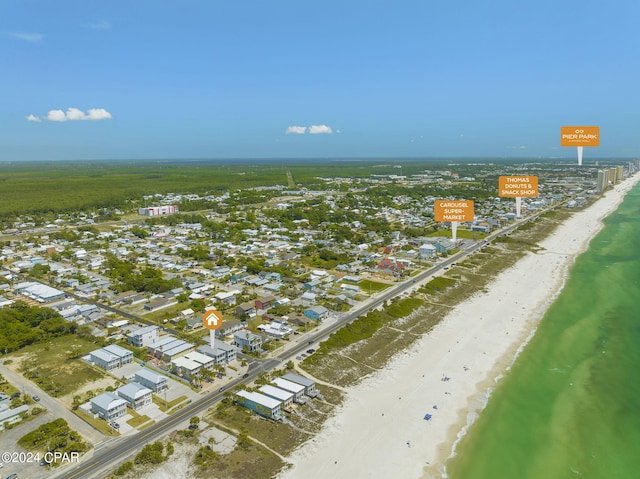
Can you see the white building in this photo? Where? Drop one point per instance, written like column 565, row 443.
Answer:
column 40, row 292
column 169, row 347
column 296, row 389
column 285, row 397
column 223, row 354
column 263, row 405
column 309, row 384
column 154, row 381
column 158, row 210
column 136, row 395
column 10, row 415
column 427, row 251
column 186, row 367
column 207, row 362
column 108, row 406
column 111, row 357
column 276, row 329
column 142, row 337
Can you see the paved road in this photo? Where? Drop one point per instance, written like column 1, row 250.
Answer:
column 55, row 409
column 119, row 450
column 53, row 405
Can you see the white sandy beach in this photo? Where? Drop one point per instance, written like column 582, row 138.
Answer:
column 380, row 432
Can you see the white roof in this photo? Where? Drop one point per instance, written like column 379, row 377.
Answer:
column 288, row 385
column 108, row 401
column 151, row 375
column 117, row 350
column 260, row 399
column 186, row 363
column 104, row 355
column 277, row 393
column 133, row 390
column 198, row 357
column 296, row 378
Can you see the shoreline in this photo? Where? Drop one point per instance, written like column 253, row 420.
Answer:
column 450, row 373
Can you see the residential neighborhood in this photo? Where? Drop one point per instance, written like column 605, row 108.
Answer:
column 275, row 271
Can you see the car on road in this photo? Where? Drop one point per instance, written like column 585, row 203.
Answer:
column 115, row 425
column 298, row 358
column 311, row 351
column 15, row 395
column 12, row 476
column 245, row 375
column 36, row 398
column 310, row 342
column 303, row 355
column 193, row 426
column 222, row 389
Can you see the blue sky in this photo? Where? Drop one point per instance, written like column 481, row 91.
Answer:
column 350, row 78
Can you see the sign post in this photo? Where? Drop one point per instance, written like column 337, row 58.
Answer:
column 580, row 136
column 453, row 211
column 212, row 320
column 518, row 187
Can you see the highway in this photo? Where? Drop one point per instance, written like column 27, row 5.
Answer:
column 106, row 458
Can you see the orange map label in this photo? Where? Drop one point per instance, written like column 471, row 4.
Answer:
column 518, row 186
column 212, row 319
column 453, row 210
column 579, row 136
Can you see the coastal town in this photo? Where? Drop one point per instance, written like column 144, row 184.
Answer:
column 132, row 292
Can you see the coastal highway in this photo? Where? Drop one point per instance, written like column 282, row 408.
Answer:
column 106, row 458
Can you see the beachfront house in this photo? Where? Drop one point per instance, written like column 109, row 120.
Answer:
column 264, row 405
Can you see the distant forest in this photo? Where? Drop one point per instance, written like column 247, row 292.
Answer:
column 65, row 187
column 45, row 189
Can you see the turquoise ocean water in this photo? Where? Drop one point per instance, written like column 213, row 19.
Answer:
column 570, row 405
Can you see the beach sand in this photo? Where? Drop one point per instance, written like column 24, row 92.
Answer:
column 380, row 430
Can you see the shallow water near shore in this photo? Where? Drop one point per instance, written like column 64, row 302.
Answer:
column 570, row 405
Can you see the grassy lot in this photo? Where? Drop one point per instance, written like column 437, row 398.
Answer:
column 164, row 407
column 460, row 234
column 137, row 419
column 367, row 286
column 54, row 436
column 55, row 366
column 159, row 316
column 280, row 437
column 247, row 460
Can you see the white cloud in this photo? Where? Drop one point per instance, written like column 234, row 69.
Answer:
column 73, row 114
column 97, row 114
column 56, row 115
column 320, row 130
column 27, row 37
column 296, row 130
column 313, row 130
